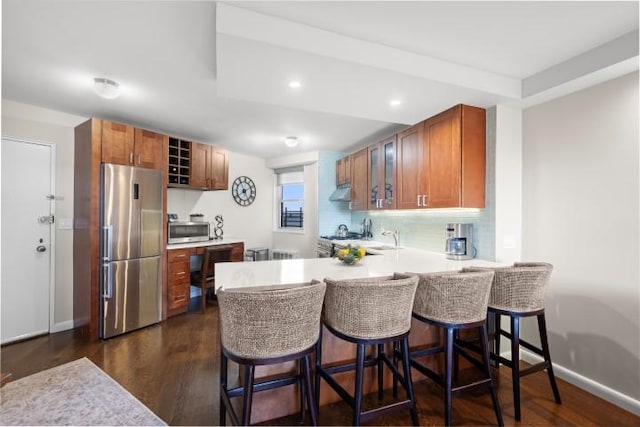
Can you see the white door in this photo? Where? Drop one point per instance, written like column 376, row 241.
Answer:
column 26, row 239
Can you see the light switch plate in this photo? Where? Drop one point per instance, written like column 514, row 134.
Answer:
column 65, row 224
column 509, row 241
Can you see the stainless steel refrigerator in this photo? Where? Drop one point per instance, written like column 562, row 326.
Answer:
column 131, row 247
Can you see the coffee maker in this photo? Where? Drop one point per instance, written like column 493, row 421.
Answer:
column 459, row 243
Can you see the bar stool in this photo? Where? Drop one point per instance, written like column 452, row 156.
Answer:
column 373, row 311
column 518, row 292
column 265, row 328
column 455, row 301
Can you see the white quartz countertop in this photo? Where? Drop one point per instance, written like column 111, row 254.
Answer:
column 287, row 272
column 223, row 241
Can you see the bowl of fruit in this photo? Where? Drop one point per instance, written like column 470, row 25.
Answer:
column 350, row 255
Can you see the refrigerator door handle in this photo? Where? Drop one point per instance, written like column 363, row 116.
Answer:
column 107, row 247
column 107, row 281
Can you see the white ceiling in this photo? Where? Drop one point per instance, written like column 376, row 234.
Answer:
column 219, row 73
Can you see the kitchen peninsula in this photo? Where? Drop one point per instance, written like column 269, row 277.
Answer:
column 273, row 274
column 281, row 273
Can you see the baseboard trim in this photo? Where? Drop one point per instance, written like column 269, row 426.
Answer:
column 602, row 391
column 61, row 326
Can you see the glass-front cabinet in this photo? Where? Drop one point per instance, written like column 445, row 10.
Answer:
column 382, row 182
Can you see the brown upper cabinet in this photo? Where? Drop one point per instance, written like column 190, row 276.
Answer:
column 359, row 180
column 343, row 171
column 126, row 145
column 209, row 169
column 441, row 161
column 382, row 174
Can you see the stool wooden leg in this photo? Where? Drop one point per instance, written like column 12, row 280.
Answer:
column 542, row 327
column 303, row 391
column 456, row 357
column 515, row 364
column 395, row 363
column 357, row 410
column 380, row 371
column 247, row 394
column 448, row 367
column 223, row 387
column 306, row 369
column 316, row 382
column 484, row 341
column 496, row 323
column 406, row 367
column 203, row 297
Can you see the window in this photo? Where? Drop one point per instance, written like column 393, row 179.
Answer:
column 290, row 198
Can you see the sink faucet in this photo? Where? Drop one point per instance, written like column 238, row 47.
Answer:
column 394, row 233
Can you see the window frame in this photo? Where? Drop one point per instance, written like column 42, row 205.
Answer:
column 279, row 201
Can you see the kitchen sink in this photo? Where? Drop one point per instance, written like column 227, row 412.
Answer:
column 383, row 247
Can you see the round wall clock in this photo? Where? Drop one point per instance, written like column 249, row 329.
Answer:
column 243, row 190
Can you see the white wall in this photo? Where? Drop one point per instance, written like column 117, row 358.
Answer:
column 508, row 184
column 42, row 125
column 251, row 223
column 581, row 213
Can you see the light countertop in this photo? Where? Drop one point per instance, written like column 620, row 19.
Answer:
column 223, row 241
column 288, row 272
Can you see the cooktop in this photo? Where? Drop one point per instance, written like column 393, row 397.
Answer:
column 350, row 236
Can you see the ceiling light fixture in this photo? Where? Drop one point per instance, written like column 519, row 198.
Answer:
column 291, row 141
column 106, row 88
column 395, row 102
column 295, row 84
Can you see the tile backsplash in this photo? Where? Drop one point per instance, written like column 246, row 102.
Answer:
column 426, row 229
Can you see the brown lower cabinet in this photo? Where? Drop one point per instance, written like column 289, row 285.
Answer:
column 179, row 275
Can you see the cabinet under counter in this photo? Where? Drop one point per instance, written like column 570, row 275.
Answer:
column 180, row 258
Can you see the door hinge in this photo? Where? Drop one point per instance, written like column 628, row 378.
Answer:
column 47, row 219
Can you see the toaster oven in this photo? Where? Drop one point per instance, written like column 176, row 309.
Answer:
column 188, row 232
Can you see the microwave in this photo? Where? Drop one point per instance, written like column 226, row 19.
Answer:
column 188, row 232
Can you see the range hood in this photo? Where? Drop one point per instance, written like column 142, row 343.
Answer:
column 341, row 194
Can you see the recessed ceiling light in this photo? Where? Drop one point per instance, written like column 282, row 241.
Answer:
column 291, row 141
column 295, row 84
column 106, row 88
column 395, row 102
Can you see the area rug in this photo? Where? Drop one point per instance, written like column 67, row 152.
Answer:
column 76, row 393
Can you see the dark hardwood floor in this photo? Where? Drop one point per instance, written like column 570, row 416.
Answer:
column 172, row 368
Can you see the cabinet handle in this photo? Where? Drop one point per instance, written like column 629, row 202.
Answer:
column 418, row 200
column 180, row 256
column 138, row 159
column 131, row 158
column 181, row 273
column 350, row 205
column 180, row 297
column 424, row 200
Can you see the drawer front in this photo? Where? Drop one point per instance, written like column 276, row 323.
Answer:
column 179, row 272
column 178, row 296
column 179, row 255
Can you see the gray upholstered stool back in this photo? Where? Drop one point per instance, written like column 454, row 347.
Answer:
column 370, row 308
column 453, row 297
column 272, row 323
column 520, row 288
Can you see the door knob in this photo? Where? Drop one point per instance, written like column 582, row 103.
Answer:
column 41, row 248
